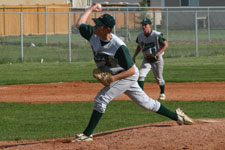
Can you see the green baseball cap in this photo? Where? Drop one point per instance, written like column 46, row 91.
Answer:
column 106, row 20
column 146, row 21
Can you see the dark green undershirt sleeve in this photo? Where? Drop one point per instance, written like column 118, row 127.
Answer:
column 124, row 58
column 86, row 31
column 161, row 39
column 137, row 40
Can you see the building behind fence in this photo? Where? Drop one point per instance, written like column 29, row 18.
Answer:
column 53, row 19
column 35, row 19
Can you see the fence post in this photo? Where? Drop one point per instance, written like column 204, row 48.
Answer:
column 21, row 34
column 46, row 25
column 69, row 36
column 167, row 24
column 114, row 28
column 4, row 21
column 209, row 36
column 127, row 26
column 154, row 15
column 196, row 34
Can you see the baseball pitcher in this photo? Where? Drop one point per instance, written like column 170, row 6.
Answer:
column 111, row 55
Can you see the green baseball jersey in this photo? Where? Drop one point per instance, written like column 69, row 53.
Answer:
column 152, row 43
column 111, row 56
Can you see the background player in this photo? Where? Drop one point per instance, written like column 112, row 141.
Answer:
column 112, row 55
column 151, row 42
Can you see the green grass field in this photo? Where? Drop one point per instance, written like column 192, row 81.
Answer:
column 190, row 69
column 40, row 121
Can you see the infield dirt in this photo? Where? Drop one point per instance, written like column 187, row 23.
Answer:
column 84, row 91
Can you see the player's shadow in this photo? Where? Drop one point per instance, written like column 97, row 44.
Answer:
column 127, row 129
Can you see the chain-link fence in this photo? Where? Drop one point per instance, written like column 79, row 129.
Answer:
column 52, row 36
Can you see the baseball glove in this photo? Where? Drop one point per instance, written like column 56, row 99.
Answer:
column 151, row 58
column 101, row 76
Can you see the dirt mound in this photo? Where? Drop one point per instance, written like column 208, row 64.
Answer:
column 205, row 134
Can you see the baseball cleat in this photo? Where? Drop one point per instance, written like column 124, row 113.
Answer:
column 82, row 137
column 182, row 118
column 162, row 96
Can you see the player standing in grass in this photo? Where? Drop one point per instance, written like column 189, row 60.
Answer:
column 151, row 43
column 112, row 55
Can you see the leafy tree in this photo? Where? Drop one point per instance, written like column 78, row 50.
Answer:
column 145, row 3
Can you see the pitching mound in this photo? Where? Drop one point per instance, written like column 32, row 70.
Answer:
column 207, row 134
